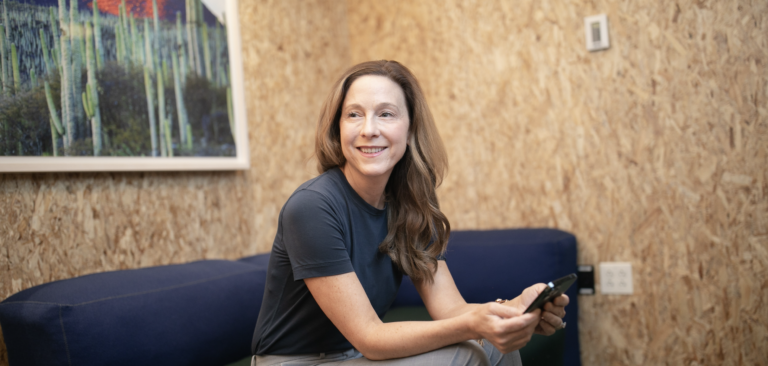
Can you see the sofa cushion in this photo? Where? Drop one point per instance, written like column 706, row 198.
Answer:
column 199, row 313
column 257, row 260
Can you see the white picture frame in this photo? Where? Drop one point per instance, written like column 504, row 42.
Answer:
column 241, row 160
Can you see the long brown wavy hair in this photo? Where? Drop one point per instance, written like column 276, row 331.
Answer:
column 417, row 230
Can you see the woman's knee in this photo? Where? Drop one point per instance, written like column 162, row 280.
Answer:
column 470, row 354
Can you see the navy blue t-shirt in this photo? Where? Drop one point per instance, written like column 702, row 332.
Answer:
column 324, row 229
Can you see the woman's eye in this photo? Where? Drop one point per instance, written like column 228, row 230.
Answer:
column 387, row 114
column 353, row 115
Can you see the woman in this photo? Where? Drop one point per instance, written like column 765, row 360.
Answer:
column 345, row 239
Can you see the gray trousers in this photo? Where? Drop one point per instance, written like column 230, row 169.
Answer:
column 461, row 354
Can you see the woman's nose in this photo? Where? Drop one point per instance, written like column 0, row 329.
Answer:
column 370, row 127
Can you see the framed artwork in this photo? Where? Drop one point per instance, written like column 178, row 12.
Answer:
column 121, row 85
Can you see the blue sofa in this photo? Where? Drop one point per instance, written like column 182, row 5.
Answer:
column 204, row 312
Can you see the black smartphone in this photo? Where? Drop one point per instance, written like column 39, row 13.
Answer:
column 553, row 290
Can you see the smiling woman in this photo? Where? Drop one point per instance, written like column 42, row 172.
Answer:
column 415, row 219
column 346, row 238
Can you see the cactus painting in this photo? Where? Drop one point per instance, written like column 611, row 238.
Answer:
column 115, row 78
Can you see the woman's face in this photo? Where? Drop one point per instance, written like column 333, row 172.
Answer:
column 374, row 128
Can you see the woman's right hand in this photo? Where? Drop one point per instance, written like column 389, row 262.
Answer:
column 506, row 327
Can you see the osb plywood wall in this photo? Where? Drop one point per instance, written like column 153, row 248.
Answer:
column 293, row 51
column 653, row 152
column 56, row 226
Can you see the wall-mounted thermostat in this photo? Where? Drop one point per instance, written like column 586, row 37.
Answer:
column 596, row 30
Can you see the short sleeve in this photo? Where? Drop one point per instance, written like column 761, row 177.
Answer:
column 313, row 235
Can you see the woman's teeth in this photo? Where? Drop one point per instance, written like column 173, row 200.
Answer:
column 371, row 150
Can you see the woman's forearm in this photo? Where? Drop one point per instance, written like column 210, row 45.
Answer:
column 403, row 339
column 458, row 308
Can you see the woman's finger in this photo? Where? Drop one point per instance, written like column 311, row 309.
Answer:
column 552, row 319
column 555, row 310
column 545, row 328
column 561, row 300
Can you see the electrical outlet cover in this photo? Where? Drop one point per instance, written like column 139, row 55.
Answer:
column 616, row 278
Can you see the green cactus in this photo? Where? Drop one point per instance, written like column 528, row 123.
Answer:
column 180, row 109
column 166, row 72
column 76, row 33
column 137, row 55
column 189, row 137
column 119, row 44
column 7, row 70
column 97, row 36
column 166, row 137
column 195, row 63
column 16, row 74
column 150, row 110
column 231, row 114
column 52, row 109
column 8, row 19
column 207, row 53
column 125, row 38
column 87, row 104
column 3, row 62
column 163, row 150
column 156, row 45
column 123, row 11
column 189, row 35
column 92, row 89
column 148, row 61
column 217, row 52
column 56, row 50
column 169, row 142
column 56, row 58
column 66, row 78
column 54, row 139
column 46, row 59
column 180, row 47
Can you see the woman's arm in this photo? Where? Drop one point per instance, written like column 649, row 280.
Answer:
column 343, row 299
column 443, row 301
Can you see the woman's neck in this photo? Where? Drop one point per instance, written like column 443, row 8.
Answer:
column 371, row 190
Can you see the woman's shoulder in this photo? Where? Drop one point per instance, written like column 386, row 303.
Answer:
column 328, row 181
column 323, row 190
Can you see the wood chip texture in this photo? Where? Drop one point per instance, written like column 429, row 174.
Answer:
column 652, row 152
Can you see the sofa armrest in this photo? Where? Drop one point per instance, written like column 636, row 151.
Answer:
column 199, row 313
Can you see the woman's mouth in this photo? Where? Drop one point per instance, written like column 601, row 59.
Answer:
column 371, row 150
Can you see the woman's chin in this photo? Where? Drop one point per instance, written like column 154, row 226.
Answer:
column 374, row 172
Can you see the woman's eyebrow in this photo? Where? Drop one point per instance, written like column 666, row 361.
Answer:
column 378, row 106
column 387, row 104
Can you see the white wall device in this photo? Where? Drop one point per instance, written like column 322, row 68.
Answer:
column 616, row 278
column 596, row 31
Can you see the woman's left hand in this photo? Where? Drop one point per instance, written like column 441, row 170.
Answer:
column 552, row 314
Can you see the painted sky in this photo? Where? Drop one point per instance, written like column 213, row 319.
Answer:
column 141, row 8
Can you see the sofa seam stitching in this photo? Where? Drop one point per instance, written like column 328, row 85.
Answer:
column 134, row 294
column 64, row 333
